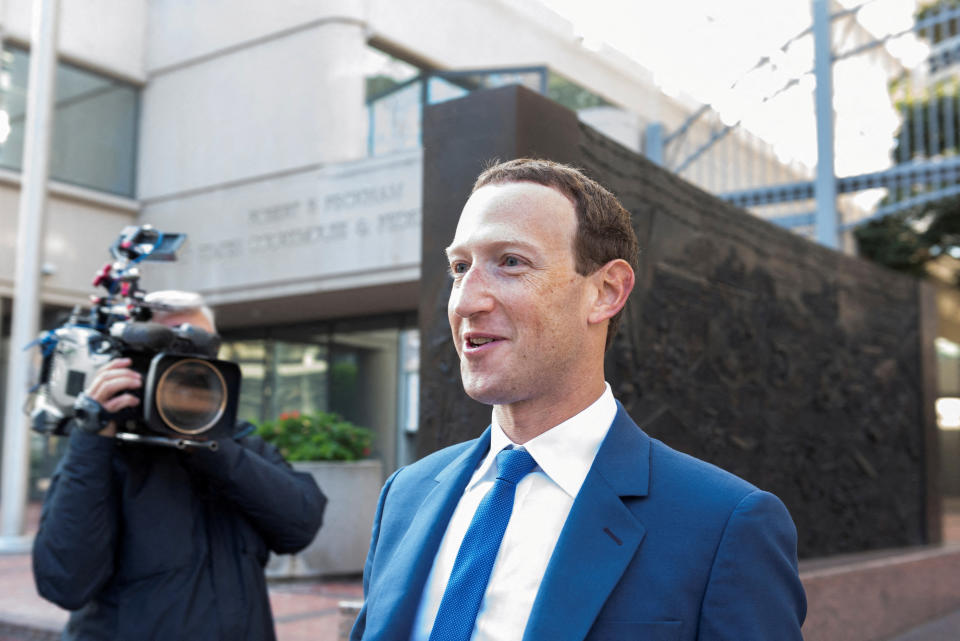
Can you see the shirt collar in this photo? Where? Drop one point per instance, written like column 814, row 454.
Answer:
column 566, row 451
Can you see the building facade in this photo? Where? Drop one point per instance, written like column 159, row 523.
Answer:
column 284, row 139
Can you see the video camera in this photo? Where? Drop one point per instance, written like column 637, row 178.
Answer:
column 188, row 399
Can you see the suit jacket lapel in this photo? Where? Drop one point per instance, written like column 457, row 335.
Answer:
column 598, row 540
column 401, row 585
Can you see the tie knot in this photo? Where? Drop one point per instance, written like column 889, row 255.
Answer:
column 513, row 465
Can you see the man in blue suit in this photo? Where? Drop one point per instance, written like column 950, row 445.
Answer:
column 564, row 521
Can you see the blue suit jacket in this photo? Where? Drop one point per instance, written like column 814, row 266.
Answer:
column 658, row 546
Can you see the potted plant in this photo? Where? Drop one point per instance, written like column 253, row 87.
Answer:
column 335, row 452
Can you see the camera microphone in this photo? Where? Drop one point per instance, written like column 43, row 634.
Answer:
column 145, row 335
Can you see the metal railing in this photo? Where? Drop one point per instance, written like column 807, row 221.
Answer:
column 922, row 164
column 395, row 115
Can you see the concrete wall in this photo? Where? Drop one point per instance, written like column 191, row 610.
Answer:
column 241, row 118
column 469, row 34
column 307, row 234
column 251, row 97
column 238, row 90
column 80, row 227
column 874, row 597
column 950, row 462
column 236, row 93
column 180, row 32
column 107, row 35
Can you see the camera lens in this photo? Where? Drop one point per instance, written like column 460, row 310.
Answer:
column 191, row 396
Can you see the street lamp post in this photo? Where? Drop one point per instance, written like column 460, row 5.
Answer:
column 31, row 216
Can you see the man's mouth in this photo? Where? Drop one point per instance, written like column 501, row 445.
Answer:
column 475, row 342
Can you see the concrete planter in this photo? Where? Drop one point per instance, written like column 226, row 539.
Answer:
column 352, row 489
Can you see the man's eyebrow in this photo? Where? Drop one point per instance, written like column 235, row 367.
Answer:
column 500, row 245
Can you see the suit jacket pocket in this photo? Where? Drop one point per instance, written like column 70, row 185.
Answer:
column 635, row 631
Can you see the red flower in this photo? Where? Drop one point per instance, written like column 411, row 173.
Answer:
column 284, row 416
column 295, row 414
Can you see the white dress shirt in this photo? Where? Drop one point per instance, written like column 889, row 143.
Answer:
column 564, row 455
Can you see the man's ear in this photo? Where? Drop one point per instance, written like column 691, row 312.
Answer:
column 614, row 282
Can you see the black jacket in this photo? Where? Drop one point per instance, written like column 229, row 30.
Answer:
column 146, row 542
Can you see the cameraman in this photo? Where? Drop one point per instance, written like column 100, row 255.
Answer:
column 146, row 542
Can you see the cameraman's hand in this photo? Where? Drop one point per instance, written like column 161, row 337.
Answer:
column 109, row 385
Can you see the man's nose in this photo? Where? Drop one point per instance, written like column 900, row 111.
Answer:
column 472, row 294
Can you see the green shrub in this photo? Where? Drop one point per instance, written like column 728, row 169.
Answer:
column 320, row 436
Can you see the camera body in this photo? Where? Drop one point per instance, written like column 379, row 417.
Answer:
column 188, row 398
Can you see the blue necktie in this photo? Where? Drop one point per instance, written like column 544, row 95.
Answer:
column 471, row 571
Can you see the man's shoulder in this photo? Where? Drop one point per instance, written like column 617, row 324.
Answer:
column 410, row 482
column 692, row 465
column 670, row 470
column 694, row 481
column 432, row 464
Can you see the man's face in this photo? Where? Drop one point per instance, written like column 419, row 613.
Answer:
column 518, row 309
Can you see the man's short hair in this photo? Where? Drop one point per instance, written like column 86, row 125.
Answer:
column 604, row 231
column 170, row 302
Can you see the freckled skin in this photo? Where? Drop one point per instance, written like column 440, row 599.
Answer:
column 514, row 279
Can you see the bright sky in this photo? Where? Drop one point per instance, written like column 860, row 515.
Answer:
column 703, row 47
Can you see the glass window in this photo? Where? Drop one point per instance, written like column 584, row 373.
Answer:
column 299, row 378
column 948, row 367
column 279, row 376
column 571, row 95
column 383, row 72
column 395, row 120
column 250, row 356
column 440, row 90
column 410, row 379
column 366, row 371
column 94, row 125
column 396, row 95
column 409, row 390
column 393, row 103
column 467, row 81
column 363, row 382
column 13, row 102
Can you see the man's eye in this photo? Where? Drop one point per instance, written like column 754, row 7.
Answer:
column 458, row 268
column 511, row 261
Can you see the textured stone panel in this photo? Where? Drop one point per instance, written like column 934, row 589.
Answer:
column 786, row 363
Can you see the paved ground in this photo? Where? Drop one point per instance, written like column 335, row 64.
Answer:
column 303, row 610
column 945, row 629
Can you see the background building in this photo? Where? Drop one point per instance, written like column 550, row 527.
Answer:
column 284, row 139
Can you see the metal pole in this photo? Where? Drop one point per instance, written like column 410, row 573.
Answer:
column 653, row 143
column 26, row 300
column 4, row 359
column 825, row 186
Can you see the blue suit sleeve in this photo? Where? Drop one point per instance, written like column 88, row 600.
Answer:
column 754, row 592
column 356, row 634
column 73, row 552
